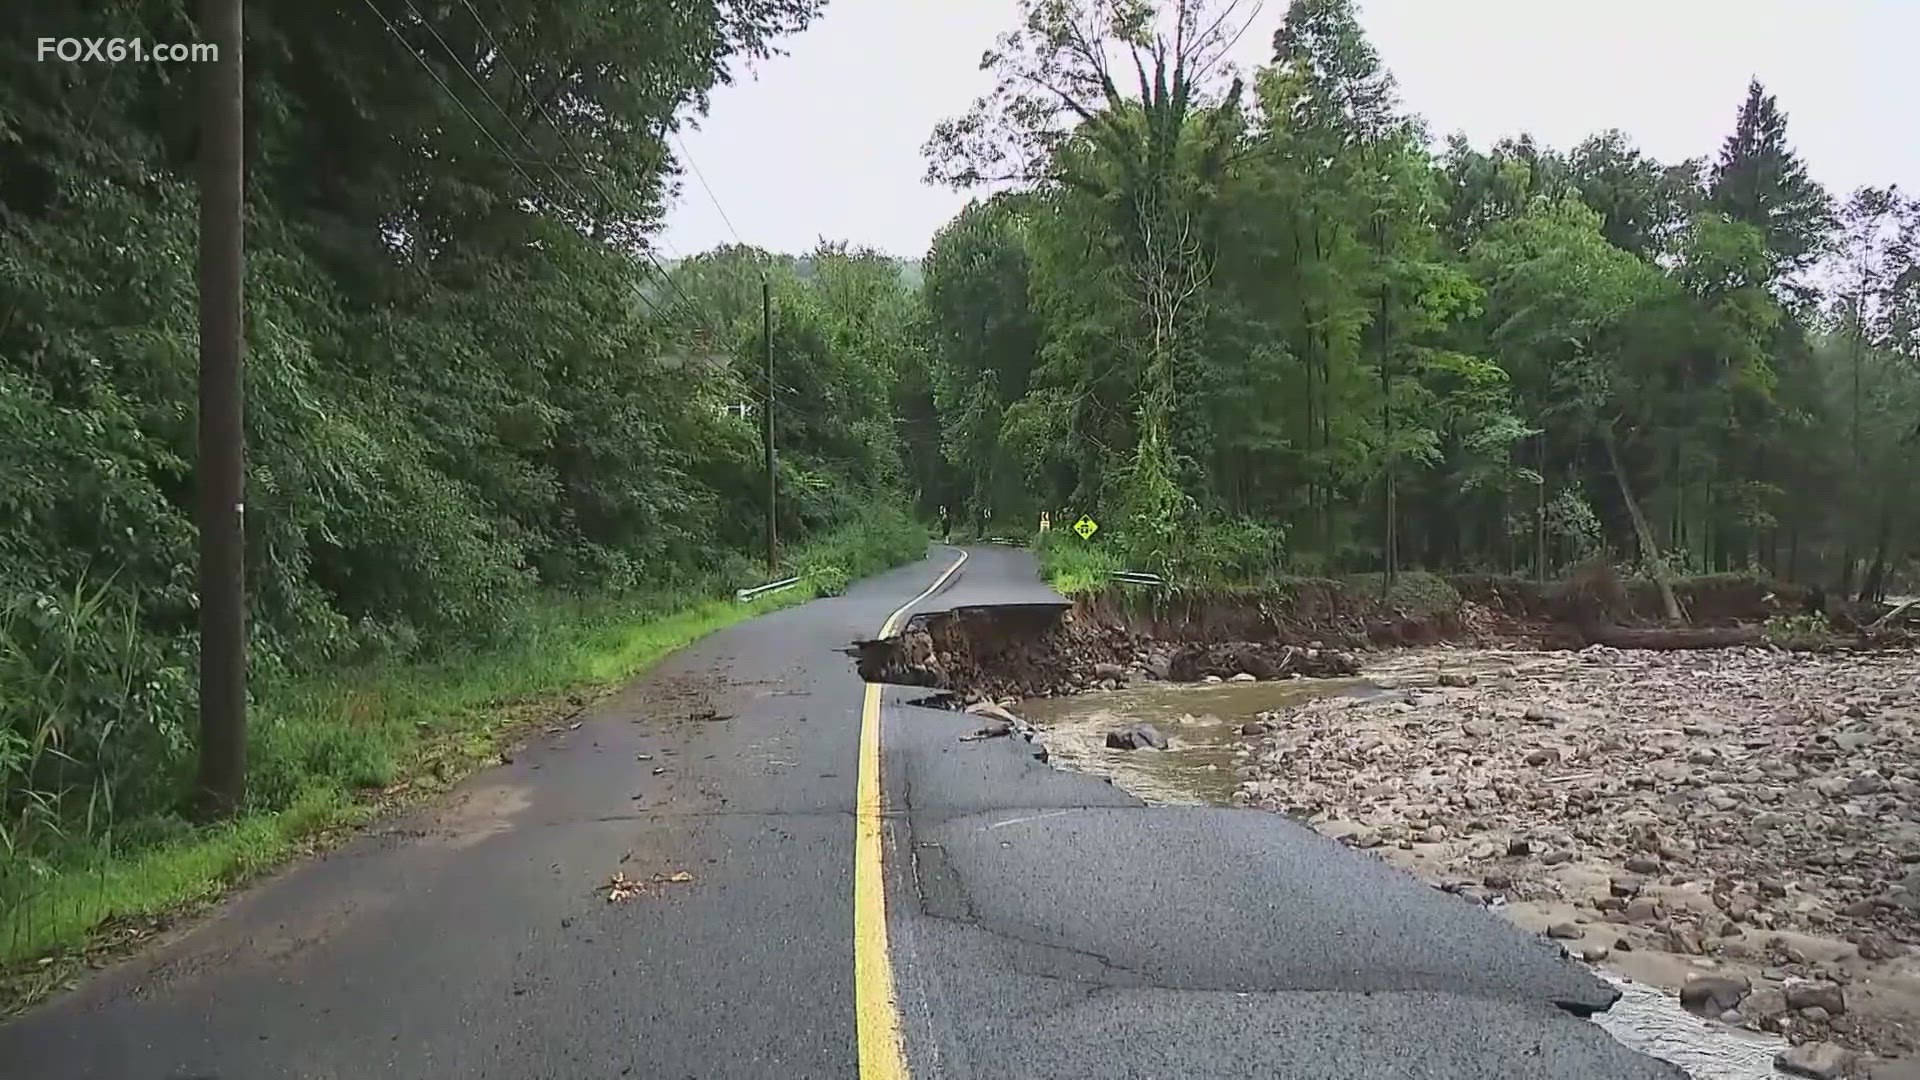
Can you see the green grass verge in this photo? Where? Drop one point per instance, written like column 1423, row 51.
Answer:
column 332, row 751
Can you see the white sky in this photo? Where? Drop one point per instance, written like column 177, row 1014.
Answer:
column 825, row 141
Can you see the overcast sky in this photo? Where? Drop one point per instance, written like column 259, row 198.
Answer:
column 825, row 141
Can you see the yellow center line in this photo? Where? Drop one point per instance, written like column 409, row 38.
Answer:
column 876, row 1013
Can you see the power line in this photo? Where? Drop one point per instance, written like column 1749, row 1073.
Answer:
column 442, row 83
column 698, row 175
column 462, row 106
column 560, row 133
column 703, row 324
column 484, row 130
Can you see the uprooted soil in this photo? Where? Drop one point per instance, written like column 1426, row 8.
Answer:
column 1043, row 651
column 1308, row 627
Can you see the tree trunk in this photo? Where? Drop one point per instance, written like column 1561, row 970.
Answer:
column 1875, row 581
column 1624, row 637
column 1540, row 509
column 1386, row 408
column 1649, row 550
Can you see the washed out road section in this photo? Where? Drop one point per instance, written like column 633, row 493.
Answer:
column 1046, row 923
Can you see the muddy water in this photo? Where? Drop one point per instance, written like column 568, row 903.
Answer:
column 1201, row 723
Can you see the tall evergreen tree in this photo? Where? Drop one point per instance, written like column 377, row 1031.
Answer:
column 1760, row 180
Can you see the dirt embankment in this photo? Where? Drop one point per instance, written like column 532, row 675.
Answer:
column 1044, row 651
column 1300, row 628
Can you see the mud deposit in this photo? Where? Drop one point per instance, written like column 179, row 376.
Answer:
column 1674, row 817
column 1032, row 651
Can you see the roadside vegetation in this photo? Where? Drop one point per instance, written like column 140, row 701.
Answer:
column 333, row 748
column 501, row 451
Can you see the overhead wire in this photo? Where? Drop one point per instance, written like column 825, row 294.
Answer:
column 708, row 188
column 462, row 106
column 756, row 395
column 560, row 133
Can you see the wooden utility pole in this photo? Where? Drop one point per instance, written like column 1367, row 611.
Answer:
column 766, row 337
column 221, row 470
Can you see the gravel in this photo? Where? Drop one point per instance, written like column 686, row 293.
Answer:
column 1747, row 810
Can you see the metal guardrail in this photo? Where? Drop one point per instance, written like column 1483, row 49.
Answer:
column 744, row 595
column 1134, row 577
column 1006, row 541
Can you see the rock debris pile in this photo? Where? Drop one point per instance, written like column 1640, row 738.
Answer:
column 1741, row 824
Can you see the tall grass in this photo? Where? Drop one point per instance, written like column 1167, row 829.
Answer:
column 1074, row 566
column 80, row 845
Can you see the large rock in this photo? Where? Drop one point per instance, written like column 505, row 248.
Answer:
column 1822, row 1060
column 1764, row 1009
column 1711, row 995
column 1137, row 737
column 1822, row 995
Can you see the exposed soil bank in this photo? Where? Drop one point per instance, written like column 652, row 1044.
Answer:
column 1039, row 651
column 1303, row 627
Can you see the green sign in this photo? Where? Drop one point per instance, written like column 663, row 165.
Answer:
column 1085, row 527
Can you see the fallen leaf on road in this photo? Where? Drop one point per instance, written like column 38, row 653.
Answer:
column 658, row 769
column 680, row 876
column 619, row 889
column 643, row 757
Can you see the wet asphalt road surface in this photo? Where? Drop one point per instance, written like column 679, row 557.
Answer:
column 1042, row 924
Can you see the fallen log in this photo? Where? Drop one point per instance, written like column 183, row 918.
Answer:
column 1884, row 621
column 1710, row 637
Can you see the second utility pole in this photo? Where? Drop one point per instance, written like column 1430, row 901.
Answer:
column 766, row 336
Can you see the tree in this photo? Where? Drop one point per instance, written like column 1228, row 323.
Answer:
column 1759, row 180
column 1560, row 296
column 1643, row 206
column 1059, row 118
column 985, row 340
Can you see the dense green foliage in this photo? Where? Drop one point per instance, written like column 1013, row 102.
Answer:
column 473, row 390
column 1262, row 323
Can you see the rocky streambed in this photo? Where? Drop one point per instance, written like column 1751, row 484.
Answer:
column 1738, row 826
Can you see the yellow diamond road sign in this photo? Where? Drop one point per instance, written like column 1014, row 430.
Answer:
column 1085, row 527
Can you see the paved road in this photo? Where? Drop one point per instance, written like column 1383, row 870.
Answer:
column 1040, row 924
